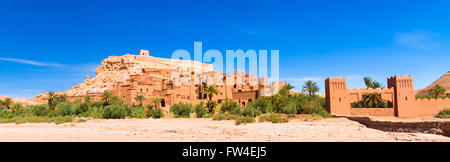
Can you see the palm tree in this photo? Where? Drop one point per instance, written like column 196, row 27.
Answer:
column 87, row 99
column 156, row 101
column 52, row 100
column 370, row 83
column 62, row 98
column 7, row 103
column 140, row 99
column 286, row 89
column 115, row 100
column 436, row 91
column 210, row 90
column 310, row 87
column 107, row 98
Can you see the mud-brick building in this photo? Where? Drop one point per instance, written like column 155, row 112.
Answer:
column 399, row 94
column 174, row 83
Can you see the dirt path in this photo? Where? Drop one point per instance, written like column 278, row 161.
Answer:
column 191, row 130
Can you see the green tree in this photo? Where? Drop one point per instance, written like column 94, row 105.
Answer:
column 284, row 91
column 107, row 98
column 87, row 99
column 210, row 90
column 140, row 99
column 436, row 91
column 370, row 83
column 1, row 103
column 7, row 103
column 371, row 100
column 62, row 98
column 52, row 100
column 156, row 101
column 310, row 87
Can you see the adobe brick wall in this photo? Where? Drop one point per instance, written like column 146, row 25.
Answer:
column 372, row 111
column 430, row 107
column 400, row 92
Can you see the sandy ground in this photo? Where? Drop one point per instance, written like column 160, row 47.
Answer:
column 191, row 130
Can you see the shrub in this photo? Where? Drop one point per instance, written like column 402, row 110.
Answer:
column 41, row 110
column 64, row 108
column 138, row 112
column 274, row 118
column 261, row 105
column 79, row 108
column 181, row 110
column 155, row 113
column 244, row 119
column 445, row 113
column 251, row 111
column 200, row 110
column 115, row 111
column 63, row 119
column 222, row 116
column 149, row 107
column 231, row 107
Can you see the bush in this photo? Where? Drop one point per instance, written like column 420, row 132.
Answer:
column 80, row 108
column 115, row 111
column 138, row 112
column 244, row 119
column 222, row 116
column 274, row 118
column 261, row 105
column 42, row 110
column 155, row 113
column 250, row 111
column 445, row 113
column 181, row 110
column 64, row 108
column 200, row 110
column 230, row 107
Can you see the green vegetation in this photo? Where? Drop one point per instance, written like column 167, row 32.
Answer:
column 210, row 90
column 140, row 99
column 59, row 110
column 181, row 110
column 156, row 102
column 371, row 100
column 436, row 91
column 244, row 120
column 274, row 118
column 155, row 113
column 310, row 87
column 200, row 110
column 445, row 113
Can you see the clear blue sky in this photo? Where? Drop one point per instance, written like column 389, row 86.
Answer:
column 53, row 45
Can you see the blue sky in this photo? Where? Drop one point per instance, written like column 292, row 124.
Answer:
column 53, row 45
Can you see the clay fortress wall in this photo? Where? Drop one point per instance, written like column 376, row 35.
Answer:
column 399, row 94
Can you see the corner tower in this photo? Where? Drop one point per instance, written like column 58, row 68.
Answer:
column 336, row 94
column 404, row 96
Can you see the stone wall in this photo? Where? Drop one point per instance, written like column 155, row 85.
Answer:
column 434, row 127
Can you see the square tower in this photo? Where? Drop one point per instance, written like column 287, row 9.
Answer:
column 336, row 95
column 404, row 96
column 144, row 52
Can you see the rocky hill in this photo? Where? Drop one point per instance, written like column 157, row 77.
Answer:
column 119, row 68
column 443, row 81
